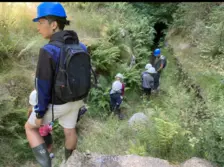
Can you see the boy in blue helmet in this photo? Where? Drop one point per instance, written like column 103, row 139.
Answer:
column 159, row 64
column 51, row 20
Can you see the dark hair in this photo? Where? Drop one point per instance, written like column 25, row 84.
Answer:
column 62, row 21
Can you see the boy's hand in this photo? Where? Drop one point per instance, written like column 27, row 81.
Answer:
column 39, row 122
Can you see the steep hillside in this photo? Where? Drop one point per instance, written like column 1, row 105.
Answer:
column 185, row 116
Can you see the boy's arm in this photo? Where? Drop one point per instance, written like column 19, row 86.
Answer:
column 161, row 67
column 29, row 111
column 162, row 64
column 44, row 75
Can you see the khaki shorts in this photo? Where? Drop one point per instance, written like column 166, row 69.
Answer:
column 66, row 114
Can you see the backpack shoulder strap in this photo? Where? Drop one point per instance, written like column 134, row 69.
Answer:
column 57, row 43
column 61, row 57
column 95, row 78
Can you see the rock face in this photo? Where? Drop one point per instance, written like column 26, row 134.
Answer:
column 138, row 118
column 95, row 160
column 196, row 162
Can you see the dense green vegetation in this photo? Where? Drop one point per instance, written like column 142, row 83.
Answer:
column 203, row 29
column 182, row 125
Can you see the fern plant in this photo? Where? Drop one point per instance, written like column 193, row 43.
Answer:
column 105, row 55
column 163, row 137
column 132, row 78
column 138, row 148
column 99, row 101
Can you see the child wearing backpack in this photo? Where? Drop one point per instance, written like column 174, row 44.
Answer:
column 61, row 88
column 117, row 94
column 44, row 130
column 148, row 81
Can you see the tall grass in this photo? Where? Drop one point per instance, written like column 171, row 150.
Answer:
column 203, row 118
column 19, row 36
column 175, row 131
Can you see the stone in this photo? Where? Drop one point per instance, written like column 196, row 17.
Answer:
column 196, row 162
column 138, row 118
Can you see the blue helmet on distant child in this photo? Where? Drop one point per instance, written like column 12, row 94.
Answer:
column 157, row 52
column 50, row 9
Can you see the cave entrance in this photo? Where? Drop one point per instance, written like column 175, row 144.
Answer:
column 159, row 35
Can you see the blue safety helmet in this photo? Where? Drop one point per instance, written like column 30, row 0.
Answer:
column 50, row 8
column 157, row 52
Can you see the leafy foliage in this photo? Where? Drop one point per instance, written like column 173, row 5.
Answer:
column 13, row 140
column 99, row 98
column 105, row 55
column 120, row 30
column 137, row 148
column 161, row 12
column 203, row 23
column 164, row 136
column 121, row 40
column 211, row 42
column 133, row 79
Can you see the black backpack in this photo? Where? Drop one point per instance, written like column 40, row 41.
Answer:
column 72, row 81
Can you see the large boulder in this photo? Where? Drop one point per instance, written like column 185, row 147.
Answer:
column 78, row 159
column 196, row 162
column 95, row 160
column 138, row 119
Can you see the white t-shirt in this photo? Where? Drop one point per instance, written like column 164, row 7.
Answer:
column 116, row 87
column 33, row 98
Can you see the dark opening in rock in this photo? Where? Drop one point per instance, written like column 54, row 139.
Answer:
column 159, row 36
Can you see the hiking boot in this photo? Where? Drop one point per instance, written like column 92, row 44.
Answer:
column 42, row 155
column 121, row 116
